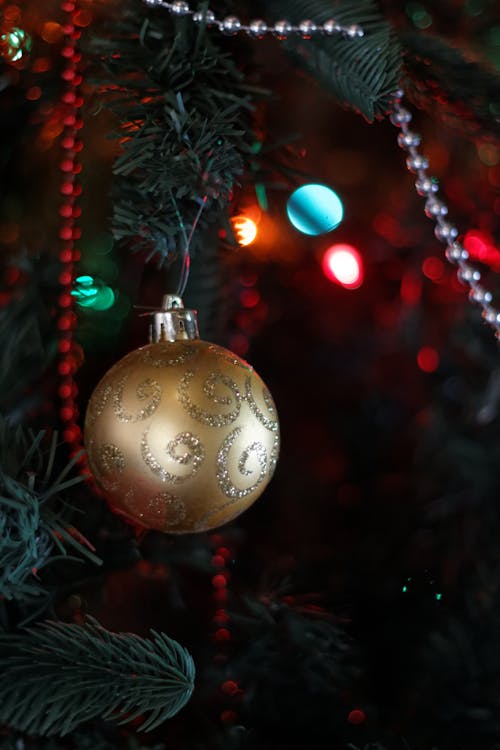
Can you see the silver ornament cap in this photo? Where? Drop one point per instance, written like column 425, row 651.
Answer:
column 173, row 322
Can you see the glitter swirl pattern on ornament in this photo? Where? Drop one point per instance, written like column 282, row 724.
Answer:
column 147, row 389
column 194, row 456
column 212, row 419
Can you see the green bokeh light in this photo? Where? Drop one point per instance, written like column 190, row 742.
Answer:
column 489, row 154
column 492, row 48
column 493, row 36
column 418, row 15
column 474, row 7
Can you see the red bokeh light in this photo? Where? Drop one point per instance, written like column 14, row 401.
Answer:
column 33, row 93
column 222, row 634
column 433, row 268
column 480, row 246
column 230, row 687
column 219, row 581
column 428, row 359
column 356, row 716
column 249, row 298
column 343, row 264
column 411, row 288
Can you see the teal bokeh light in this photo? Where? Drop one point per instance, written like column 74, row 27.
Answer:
column 14, row 44
column 92, row 293
column 314, row 209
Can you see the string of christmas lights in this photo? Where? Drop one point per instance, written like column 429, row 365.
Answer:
column 70, row 211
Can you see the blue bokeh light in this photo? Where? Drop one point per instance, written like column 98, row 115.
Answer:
column 315, row 209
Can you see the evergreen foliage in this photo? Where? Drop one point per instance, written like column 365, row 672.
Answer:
column 313, row 653
column 100, row 737
column 33, row 519
column 185, row 127
column 361, row 73
column 27, row 334
column 466, row 89
column 57, row 676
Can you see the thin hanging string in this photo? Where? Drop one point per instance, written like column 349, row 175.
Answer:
column 186, row 255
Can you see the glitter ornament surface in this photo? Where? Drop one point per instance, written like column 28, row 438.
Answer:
column 182, row 436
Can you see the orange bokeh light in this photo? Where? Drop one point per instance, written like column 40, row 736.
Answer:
column 12, row 14
column 245, row 230
column 51, row 32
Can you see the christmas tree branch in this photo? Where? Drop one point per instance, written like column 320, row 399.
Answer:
column 464, row 88
column 185, row 127
column 56, row 676
column 34, row 528
column 91, row 738
column 360, row 73
column 27, row 332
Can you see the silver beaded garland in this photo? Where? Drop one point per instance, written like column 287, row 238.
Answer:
column 434, row 208
column 331, row 27
column 445, row 231
column 307, row 28
column 179, row 9
column 456, row 253
column 400, row 116
column 437, row 210
column 259, row 28
column 491, row 316
column 480, row 294
column 426, row 185
column 354, row 31
column 417, row 163
column 282, row 29
column 207, row 17
column 408, row 139
column 230, row 25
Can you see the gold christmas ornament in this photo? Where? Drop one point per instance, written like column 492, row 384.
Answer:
column 181, row 435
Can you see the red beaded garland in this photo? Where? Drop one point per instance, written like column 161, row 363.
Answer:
column 229, row 688
column 71, row 101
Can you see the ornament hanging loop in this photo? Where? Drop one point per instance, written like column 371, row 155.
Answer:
column 186, row 264
column 186, row 256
